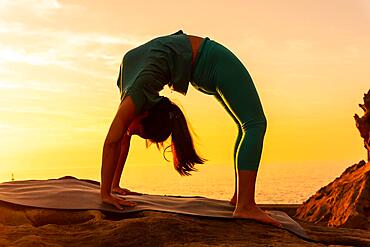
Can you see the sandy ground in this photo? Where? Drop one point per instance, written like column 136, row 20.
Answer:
column 24, row 226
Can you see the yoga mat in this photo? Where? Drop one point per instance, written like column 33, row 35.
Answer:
column 71, row 193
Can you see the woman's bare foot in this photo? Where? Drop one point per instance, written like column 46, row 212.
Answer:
column 255, row 213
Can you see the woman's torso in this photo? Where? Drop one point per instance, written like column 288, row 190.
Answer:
column 165, row 60
column 169, row 58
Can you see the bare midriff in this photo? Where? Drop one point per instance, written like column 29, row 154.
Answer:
column 195, row 44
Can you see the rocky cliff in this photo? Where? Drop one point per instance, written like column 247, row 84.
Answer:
column 344, row 202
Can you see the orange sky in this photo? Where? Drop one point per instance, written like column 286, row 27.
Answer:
column 59, row 62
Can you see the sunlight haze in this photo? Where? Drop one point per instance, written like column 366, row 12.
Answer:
column 59, row 62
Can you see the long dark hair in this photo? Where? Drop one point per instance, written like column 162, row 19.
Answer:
column 166, row 119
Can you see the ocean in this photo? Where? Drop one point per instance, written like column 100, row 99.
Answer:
column 275, row 183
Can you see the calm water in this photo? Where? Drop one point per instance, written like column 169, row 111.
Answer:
column 275, row 184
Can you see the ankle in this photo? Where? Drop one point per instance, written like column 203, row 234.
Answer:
column 246, row 206
column 114, row 187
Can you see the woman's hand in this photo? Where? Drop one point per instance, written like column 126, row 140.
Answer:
column 123, row 191
column 116, row 201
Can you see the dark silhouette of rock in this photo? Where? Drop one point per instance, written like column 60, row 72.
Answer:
column 363, row 123
column 343, row 202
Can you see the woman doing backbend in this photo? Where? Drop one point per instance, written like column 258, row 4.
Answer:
column 176, row 60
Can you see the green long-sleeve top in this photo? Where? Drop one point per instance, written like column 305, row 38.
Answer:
column 146, row 69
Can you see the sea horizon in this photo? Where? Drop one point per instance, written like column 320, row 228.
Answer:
column 275, row 184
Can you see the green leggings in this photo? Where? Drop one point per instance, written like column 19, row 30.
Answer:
column 220, row 73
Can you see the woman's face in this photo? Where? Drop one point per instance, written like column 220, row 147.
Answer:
column 136, row 128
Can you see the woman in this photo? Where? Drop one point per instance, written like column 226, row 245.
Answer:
column 175, row 60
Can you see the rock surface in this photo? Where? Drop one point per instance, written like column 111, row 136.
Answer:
column 343, row 202
column 24, row 226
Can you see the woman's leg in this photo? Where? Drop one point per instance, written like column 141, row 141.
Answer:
column 236, row 145
column 252, row 136
column 236, row 89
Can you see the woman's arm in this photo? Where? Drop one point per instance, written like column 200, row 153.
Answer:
column 123, row 118
column 124, row 148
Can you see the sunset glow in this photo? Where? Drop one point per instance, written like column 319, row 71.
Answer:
column 59, row 62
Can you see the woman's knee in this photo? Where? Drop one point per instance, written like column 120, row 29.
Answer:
column 255, row 123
